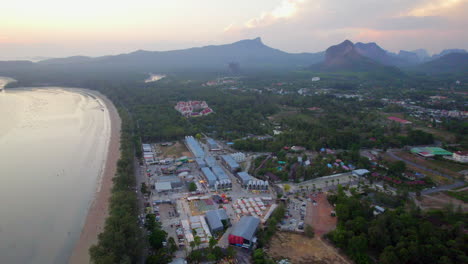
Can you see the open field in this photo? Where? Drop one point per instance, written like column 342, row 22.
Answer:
column 440, row 201
column 302, row 250
column 177, row 150
column 439, row 180
column 442, row 166
column 318, row 215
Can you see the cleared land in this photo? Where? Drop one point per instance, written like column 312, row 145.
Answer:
column 318, row 215
column 302, row 250
column 177, row 150
column 442, row 166
column 439, row 180
column 440, row 201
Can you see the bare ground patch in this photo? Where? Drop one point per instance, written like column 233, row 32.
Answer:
column 302, row 250
column 177, row 150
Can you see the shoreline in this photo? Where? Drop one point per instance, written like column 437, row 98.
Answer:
column 99, row 209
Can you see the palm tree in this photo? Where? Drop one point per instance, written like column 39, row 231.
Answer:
column 338, row 180
column 333, row 181
column 326, row 183
column 313, row 187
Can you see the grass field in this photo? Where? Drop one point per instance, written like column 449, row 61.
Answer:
column 462, row 196
column 302, row 250
column 177, row 150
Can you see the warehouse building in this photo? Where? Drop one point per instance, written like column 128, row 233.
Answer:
column 200, row 162
column 217, row 220
column 209, row 176
column 244, row 178
column 224, row 182
column 210, row 161
column 194, row 147
column 243, row 233
column 238, row 157
column 230, row 163
column 213, row 145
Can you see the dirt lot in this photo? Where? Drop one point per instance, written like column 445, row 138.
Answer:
column 318, row 215
column 441, row 200
column 302, row 250
column 177, row 150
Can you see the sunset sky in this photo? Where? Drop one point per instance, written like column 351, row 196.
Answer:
column 55, row 28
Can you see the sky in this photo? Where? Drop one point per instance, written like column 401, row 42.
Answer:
column 58, row 28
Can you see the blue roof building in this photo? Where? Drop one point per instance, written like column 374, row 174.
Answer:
column 230, row 163
column 210, row 177
column 194, row 147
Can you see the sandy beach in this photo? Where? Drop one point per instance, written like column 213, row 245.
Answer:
column 98, row 210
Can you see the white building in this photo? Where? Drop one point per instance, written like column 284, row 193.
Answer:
column 460, row 156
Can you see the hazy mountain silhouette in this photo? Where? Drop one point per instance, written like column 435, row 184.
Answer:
column 251, row 53
column 449, row 63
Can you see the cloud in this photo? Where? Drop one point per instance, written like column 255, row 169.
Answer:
column 317, row 24
column 435, row 7
column 287, row 9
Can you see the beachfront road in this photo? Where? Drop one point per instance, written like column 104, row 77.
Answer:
column 140, row 178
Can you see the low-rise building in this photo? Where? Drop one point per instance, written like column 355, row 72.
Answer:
column 209, row 176
column 230, row 163
column 213, row 145
column 217, row 220
column 460, row 156
column 243, row 233
column 244, row 178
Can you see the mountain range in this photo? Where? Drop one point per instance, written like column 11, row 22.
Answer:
column 253, row 54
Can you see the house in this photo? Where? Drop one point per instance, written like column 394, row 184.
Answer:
column 460, row 156
column 360, row 172
column 217, row 220
column 399, row 120
column 272, row 177
column 243, row 233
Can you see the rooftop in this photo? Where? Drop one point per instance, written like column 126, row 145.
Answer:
column 246, row 227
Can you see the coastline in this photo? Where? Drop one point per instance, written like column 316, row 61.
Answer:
column 99, row 209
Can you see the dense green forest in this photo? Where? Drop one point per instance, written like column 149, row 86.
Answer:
column 402, row 235
column 120, row 242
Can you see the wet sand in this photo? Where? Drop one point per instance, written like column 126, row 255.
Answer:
column 98, row 210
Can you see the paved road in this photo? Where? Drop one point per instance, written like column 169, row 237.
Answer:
column 456, row 184
column 140, row 177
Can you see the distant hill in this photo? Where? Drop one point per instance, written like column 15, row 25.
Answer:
column 376, row 53
column 346, row 57
column 449, row 63
column 446, row 52
column 248, row 54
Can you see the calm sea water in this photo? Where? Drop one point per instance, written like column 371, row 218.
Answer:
column 53, row 145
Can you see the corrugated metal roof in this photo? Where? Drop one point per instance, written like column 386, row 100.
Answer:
column 215, row 217
column 209, row 175
column 246, row 227
column 194, row 147
column 244, row 177
column 230, row 161
column 219, row 172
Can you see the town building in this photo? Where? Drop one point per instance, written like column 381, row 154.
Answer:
column 213, row 145
column 217, row 220
column 243, row 233
column 209, row 176
column 238, row 157
column 244, row 178
column 230, row 163
column 194, row 147
column 399, row 120
column 460, row 156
